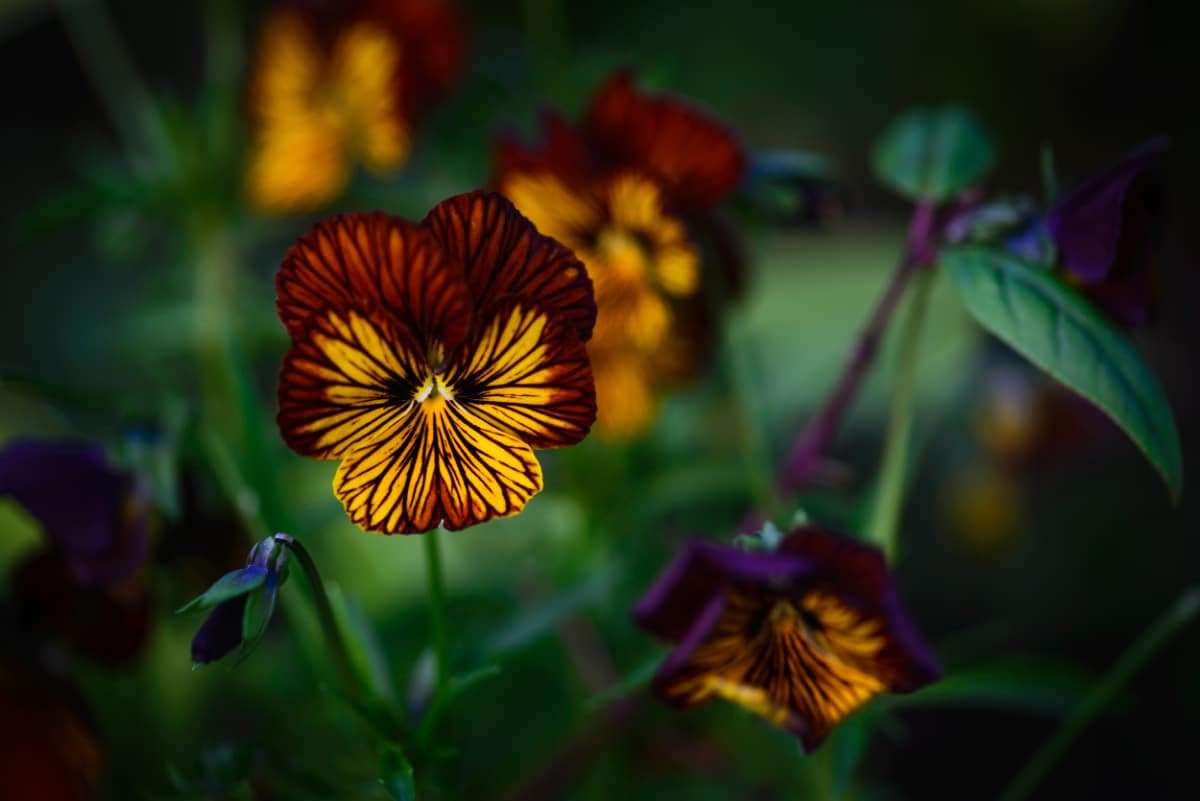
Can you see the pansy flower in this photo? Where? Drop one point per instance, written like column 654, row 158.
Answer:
column 802, row 635
column 93, row 514
column 626, row 192
column 432, row 358
column 336, row 86
column 86, row 588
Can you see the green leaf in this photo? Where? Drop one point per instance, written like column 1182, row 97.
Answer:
column 1059, row 331
column 933, row 154
column 230, row 585
column 396, row 775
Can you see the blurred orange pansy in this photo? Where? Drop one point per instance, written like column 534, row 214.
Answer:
column 617, row 192
column 432, row 358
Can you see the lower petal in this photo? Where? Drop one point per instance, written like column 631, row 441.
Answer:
column 444, row 467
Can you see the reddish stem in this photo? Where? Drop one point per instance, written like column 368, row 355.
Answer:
column 807, row 456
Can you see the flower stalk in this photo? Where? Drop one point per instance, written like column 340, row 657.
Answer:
column 885, row 515
column 807, row 455
column 352, row 685
column 435, row 585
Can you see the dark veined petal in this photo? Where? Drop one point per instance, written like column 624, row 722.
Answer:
column 698, row 159
column 803, row 664
column 857, row 575
column 524, row 371
column 443, row 466
column 503, row 254
column 349, row 379
column 375, row 257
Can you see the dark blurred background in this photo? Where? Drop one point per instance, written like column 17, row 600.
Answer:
column 1097, row 552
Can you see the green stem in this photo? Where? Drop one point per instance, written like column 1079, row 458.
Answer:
column 889, row 499
column 346, row 673
column 1138, row 654
column 437, row 614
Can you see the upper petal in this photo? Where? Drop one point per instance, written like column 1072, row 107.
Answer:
column 524, row 371
column 562, row 153
column 378, row 258
column 503, row 254
column 857, row 576
column 349, row 379
column 443, row 466
column 1087, row 222
column 698, row 159
column 701, row 571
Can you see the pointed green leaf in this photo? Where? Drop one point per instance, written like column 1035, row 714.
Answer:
column 396, row 775
column 933, row 154
column 230, row 585
column 1058, row 330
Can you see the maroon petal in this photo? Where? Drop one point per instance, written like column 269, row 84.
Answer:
column 701, row 571
column 857, row 574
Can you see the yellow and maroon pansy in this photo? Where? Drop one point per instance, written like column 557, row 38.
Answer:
column 431, row 358
column 328, row 91
column 803, row 635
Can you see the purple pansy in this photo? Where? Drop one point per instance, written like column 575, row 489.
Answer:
column 1104, row 232
column 92, row 513
column 803, row 635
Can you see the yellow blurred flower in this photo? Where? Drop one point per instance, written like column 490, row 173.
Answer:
column 325, row 98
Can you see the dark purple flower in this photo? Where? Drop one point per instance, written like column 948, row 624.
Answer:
column 242, row 603
column 803, row 635
column 91, row 512
column 1104, row 230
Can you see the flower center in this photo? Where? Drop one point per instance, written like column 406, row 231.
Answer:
column 623, row 254
column 433, row 393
